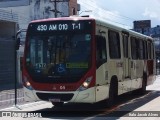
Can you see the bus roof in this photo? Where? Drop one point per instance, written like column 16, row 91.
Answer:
column 63, row 18
column 118, row 28
column 98, row 21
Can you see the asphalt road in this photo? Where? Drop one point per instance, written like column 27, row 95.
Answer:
column 125, row 106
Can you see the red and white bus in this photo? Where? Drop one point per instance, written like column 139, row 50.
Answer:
column 84, row 60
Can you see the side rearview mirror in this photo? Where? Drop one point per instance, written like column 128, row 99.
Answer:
column 18, row 40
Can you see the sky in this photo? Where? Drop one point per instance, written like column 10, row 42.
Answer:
column 122, row 12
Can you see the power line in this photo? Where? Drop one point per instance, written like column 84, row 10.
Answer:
column 109, row 11
column 104, row 17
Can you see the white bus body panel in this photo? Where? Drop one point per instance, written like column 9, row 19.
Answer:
column 29, row 95
column 102, row 92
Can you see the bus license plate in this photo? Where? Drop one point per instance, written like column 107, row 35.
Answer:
column 54, row 100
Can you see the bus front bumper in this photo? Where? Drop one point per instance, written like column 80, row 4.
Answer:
column 85, row 96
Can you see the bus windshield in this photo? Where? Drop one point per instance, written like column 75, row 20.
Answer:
column 58, row 57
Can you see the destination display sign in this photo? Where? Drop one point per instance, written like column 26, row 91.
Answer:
column 55, row 26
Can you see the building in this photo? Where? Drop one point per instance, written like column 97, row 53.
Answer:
column 73, row 7
column 29, row 10
column 142, row 26
column 8, row 28
column 155, row 32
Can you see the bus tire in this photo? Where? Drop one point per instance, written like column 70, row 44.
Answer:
column 57, row 104
column 113, row 92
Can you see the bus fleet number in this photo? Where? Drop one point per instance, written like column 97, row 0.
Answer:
column 62, row 87
column 42, row 27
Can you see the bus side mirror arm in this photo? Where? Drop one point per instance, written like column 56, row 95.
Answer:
column 17, row 39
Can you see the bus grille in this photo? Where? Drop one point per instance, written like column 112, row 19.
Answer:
column 62, row 97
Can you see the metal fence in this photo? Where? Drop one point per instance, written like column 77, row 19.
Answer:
column 7, row 98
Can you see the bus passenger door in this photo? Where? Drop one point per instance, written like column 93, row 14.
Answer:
column 126, row 56
column 101, row 64
column 126, row 63
column 134, row 61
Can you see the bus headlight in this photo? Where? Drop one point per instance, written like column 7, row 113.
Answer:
column 85, row 84
column 27, row 84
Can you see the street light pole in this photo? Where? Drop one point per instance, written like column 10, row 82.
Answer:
column 17, row 43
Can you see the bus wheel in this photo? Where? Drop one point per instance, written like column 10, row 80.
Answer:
column 113, row 91
column 57, row 104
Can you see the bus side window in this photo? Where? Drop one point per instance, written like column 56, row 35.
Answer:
column 141, row 49
column 145, row 50
column 101, row 54
column 114, row 45
column 149, row 50
column 152, row 51
column 134, row 48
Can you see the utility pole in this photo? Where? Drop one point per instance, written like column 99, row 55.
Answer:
column 55, row 6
